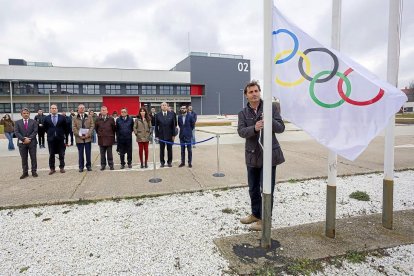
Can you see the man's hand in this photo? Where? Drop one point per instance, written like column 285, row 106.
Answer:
column 259, row 125
column 26, row 140
column 173, row 138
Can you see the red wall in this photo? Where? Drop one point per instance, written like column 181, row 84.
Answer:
column 116, row 103
column 196, row 90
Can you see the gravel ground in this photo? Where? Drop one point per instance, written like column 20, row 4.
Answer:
column 173, row 235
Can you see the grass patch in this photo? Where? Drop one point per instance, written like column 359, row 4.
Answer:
column 228, row 211
column 292, row 180
column 266, row 271
column 38, row 214
column 359, row 195
column 355, row 257
column 304, row 267
column 24, row 269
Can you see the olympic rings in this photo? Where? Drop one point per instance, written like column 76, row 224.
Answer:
column 301, row 79
column 305, row 74
column 331, row 75
column 295, row 47
column 359, row 103
column 326, row 105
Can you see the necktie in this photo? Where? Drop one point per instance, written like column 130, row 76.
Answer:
column 26, row 125
column 165, row 114
column 54, row 120
column 83, row 121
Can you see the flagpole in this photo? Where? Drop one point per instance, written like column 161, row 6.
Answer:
column 332, row 156
column 267, row 117
column 392, row 78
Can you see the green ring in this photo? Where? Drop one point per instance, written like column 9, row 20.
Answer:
column 322, row 104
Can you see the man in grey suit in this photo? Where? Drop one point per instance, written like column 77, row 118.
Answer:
column 26, row 130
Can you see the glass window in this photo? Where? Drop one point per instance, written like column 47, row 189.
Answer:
column 46, row 88
column 149, row 89
column 113, row 89
column 183, row 90
column 132, row 89
column 4, row 88
column 5, row 108
column 67, row 88
column 166, row 90
column 91, row 89
column 22, row 88
column 31, row 106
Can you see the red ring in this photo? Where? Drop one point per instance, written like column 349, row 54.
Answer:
column 359, row 103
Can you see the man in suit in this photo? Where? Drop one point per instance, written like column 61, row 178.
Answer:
column 82, row 127
column 105, row 128
column 192, row 113
column 165, row 130
column 56, row 129
column 40, row 118
column 26, row 131
column 186, row 123
column 124, row 129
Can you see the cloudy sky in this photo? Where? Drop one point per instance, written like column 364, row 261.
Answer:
column 153, row 34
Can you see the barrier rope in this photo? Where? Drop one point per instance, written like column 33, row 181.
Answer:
column 184, row 144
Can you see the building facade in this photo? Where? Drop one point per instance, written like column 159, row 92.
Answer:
column 212, row 83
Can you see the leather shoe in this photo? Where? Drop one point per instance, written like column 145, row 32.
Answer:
column 102, row 168
column 142, row 166
column 249, row 219
column 162, row 165
column 24, row 176
column 181, row 165
column 169, row 165
column 89, row 169
column 190, row 166
column 130, row 166
column 34, row 174
column 62, row 170
column 146, row 165
column 80, row 170
column 51, row 172
column 111, row 168
column 122, row 167
column 257, row 226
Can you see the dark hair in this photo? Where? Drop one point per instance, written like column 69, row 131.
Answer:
column 147, row 117
column 250, row 84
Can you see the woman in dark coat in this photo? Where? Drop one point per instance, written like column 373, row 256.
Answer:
column 8, row 124
column 105, row 128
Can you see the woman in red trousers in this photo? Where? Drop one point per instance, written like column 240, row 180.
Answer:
column 142, row 128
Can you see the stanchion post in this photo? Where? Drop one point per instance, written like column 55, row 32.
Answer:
column 155, row 179
column 218, row 173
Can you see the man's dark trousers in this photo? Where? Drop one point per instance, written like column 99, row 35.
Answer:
column 255, row 179
column 84, row 147
column 25, row 151
column 189, row 150
column 125, row 148
column 56, row 147
column 162, row 152
column 106, row 151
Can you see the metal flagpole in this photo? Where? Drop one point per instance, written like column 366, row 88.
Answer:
column 267, row 117
column 155, row 179
column 332, row 156
column 392, row 77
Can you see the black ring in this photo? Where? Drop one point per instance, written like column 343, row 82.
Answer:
column 330, row 76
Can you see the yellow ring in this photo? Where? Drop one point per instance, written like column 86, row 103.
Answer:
column 301, row 79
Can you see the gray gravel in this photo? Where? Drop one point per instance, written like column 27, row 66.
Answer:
column 173, row 235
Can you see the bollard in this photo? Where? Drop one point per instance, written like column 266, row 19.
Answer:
column 218, row 173
column 155, row 179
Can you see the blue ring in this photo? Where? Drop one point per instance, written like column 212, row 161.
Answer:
column 295, row 48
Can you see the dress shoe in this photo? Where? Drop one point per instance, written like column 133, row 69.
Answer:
column 146, row 165
column 249, row 219
column 102, row 168
column 34, row 174
column 190, row 166
column 111, row 168
column 181, row 165
column 130, row 166
column 62, row 170
column 89, row 169
column 51, row 172
column 142, row 166
column 80, row 170
column 169, row 165
column 24, row 176
column 122, row 167
column 162, row 165
column 257, row 226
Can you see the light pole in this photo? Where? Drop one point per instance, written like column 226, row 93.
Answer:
column 49, row 98
column 11, row 98
column 219, row 105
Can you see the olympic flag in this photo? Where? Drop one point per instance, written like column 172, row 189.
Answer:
column 332, row 98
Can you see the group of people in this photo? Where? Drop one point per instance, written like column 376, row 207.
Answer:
column 110, row 131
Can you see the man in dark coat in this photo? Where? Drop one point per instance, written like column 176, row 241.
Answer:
column 56, row 128
column 40, row 118
column 192, row 113
column 124, row 129
column 26, row 131
column 165, row 130
column 250, row 125
column 186, row 123
column 105, row 128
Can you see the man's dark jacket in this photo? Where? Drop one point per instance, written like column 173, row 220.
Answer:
column 253, row 150
column 55, row 133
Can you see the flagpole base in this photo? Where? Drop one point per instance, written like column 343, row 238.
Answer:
column 330, row 211
column 266, row 221
column 155, row 180
column 218, row 174
column 387, row 203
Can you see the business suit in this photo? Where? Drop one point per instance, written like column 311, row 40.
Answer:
column 27, row 149
column 56, row 139
column 186, row 123
column 165, row 130
column 83, row 143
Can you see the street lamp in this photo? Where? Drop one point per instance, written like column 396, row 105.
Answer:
column 11, row 98
column 219, row 104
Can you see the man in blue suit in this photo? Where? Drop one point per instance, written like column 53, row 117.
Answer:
column 56, row 128
column 165, row 130
column 186, row 123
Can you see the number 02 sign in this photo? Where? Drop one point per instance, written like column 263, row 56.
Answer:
column 243, row 67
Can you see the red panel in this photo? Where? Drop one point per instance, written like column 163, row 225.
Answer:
column 196, row 90
column 116, row 103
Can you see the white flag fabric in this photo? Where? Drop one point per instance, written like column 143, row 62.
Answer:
column 332, row 98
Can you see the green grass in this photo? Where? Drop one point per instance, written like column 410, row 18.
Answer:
column 304, row 267
column 355, row 257
column 228, row 211
column 359, row 195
